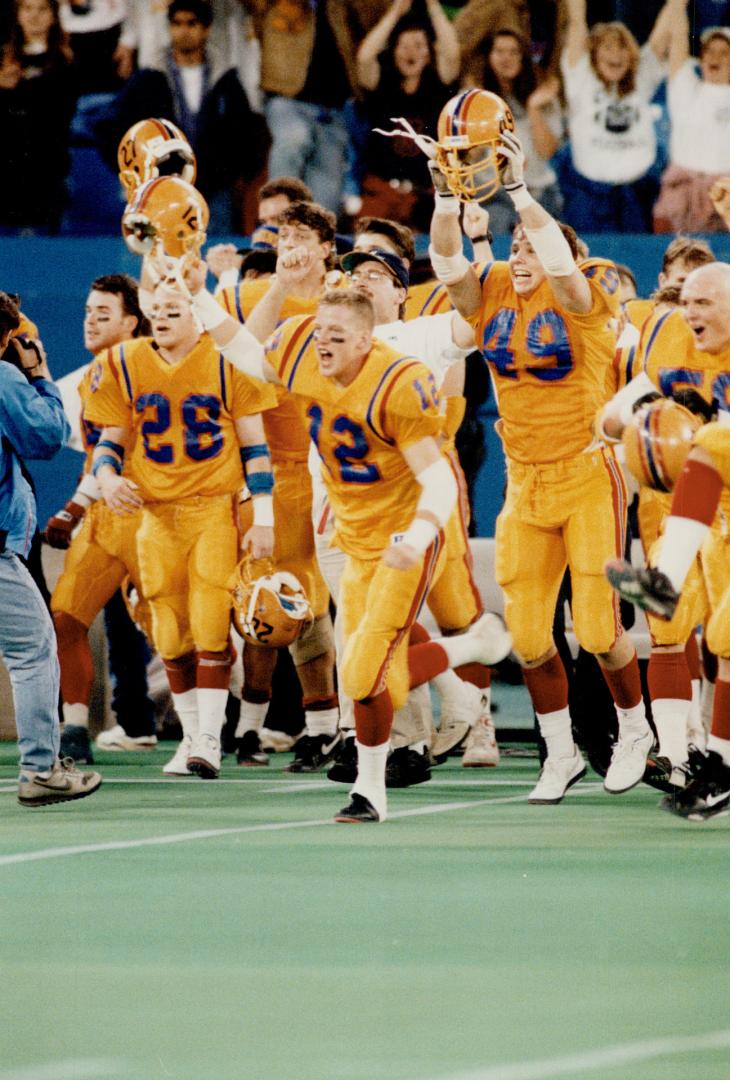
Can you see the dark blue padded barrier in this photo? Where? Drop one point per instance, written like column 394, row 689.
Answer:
column 52, row 277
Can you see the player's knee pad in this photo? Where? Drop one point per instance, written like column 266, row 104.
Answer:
column 531, row 629
column 317, row 641
column 717, row 631
column 170, row 628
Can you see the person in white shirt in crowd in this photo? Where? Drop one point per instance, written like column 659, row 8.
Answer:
column 699, row 146
column 609, row 83
column 94, row 28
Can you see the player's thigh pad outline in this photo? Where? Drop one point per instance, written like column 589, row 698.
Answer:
column 454, row 599
column 595, row 532
column 378, row 605
column 529, row 564
column 213, row 559
column 715, row 557
column 163, row 551
column 101, row 555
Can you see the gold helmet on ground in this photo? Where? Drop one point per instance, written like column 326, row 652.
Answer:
column 269, row 608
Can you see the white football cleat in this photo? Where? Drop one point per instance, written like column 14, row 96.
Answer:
column 556, row 776
column 178, row 763
column 459, row 711
column 628, row 762
column 204, row 758
column 116, row 738
column 481, row 750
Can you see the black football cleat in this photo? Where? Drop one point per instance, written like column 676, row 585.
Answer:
column 359, row 811
column 706, row 796
column 313, row 752
column 76, row 744
column 248, row 750
column 648, row 588
column 406, row 767
column 343, row 769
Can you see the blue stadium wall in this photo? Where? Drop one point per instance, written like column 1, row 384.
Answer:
column 52, row 277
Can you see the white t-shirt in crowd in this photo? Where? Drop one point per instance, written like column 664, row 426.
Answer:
column 612, row 138
column 101, row 15
column 191, row 77
column 538, row 173
column 699, row 113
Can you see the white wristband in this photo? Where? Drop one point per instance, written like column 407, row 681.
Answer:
column 88, row 488
column 520, row 197
column 438, row 491
column 449, row 268
column 552, row 249
column 263, row 510
column 420, row 534
column 208, row 310
column 444, row 204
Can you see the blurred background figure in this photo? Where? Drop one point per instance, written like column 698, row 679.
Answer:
column 38, row 91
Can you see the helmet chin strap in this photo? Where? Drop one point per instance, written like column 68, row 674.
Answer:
column 424, row 142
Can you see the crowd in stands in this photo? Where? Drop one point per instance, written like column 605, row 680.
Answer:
column 623, row 108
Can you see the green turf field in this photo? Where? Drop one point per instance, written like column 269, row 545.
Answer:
column 191, row 929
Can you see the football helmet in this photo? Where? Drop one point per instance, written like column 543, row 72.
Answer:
column 269, row 608
column 153, row 148
column 168, row 213
column 470, row 126
column 657, row 441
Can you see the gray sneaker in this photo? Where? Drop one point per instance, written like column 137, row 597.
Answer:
column 61, row 783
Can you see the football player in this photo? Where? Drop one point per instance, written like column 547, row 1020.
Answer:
column 375, row 419
column 541, row 322
column 190, row 422
column 689, row 359
column 102, row 553
column 306, row 236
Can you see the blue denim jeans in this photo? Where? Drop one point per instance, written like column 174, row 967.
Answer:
column 28, row 647
column 309, row 142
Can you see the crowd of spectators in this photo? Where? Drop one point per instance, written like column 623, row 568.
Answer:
column 623, row 108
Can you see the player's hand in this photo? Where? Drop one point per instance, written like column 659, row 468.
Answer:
column 510, row 148
column 221, row 257
column 293, row 266
column 120, row 494
column 475, row 221
column 60, row 527
column 720, row 198
column 438, row 179
column 193, row 275
column 400, row 556
column 259, row 541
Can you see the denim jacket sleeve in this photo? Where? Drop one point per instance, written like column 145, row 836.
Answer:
column 31, row 414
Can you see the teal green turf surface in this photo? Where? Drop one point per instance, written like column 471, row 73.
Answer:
column 458, row 942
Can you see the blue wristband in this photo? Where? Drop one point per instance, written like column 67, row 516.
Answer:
column 248, row 453
column 260, row 483
column 106, row 459
column 114, row 447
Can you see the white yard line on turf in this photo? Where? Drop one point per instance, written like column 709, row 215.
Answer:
column 209, row 834
column 296, row 785
column 599, row 1059
column 66, row 1070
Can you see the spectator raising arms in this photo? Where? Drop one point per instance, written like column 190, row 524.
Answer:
column 510, row 73
column 609, row 84
column 406, row 66
column 37, row 100
column 699, row 147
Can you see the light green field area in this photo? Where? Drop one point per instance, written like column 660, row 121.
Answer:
column 191, row 929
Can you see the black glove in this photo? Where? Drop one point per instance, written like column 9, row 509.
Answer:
column 693, row 400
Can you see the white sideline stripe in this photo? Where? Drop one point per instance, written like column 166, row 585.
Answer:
column 66, row 1070
column 237, row 830
column 592, row 1060
column 294, row 785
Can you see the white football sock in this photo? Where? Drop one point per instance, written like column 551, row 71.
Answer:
column 76, row 714
column 632, row 723
column 681, row 540
column 555, row 728
column 186, row 707
column 720, row 746
column 371, row 775
column 252, row 716
column 670, row 720
column 211, row 710
column 321, row 721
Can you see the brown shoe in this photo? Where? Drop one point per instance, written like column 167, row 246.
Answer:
column 60, row 784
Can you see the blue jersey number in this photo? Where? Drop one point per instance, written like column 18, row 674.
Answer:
column 202, row 436
column 546, row 338
column 350, row 451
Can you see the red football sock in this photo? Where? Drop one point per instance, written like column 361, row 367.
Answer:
column 721, row 710
column 625, row 684
column 697, row 493
column 426, row 661
column 182, row 673
column 418, row 635
column 668, row 677
column 373, row 719
column 548, row 686
column 476, row 674
column 214, row 670
column 692, row 654
column 74, row 657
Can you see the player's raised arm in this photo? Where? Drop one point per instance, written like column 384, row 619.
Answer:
column 569, row 285
column 235, row 341
column 450, row 265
